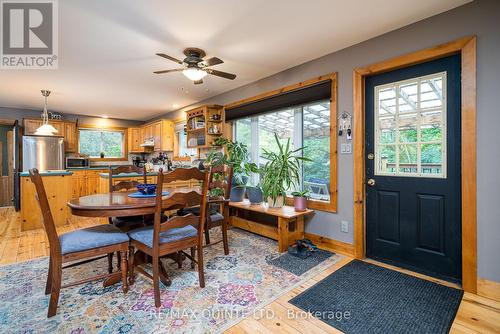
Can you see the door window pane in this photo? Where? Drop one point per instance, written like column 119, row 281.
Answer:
column 410, row 116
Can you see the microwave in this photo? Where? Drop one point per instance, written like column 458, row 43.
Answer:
column 77, row 162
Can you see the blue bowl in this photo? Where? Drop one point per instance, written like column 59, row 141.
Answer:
column 146, row 188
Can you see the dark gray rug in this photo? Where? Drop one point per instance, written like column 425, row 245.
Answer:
column 297, row 265
column 365, row 298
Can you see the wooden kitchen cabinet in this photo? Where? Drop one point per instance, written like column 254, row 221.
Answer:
column 70, row 137
column 157, row 135
column 135, row 139
column 30, row 126
column 65, row 129
column 86, row 182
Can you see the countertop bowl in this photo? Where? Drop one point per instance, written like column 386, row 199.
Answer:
column 146, row 188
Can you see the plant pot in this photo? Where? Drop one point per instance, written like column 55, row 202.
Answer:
column 300, row 203
column 237, row 193
column 255, row 195
column 278, row 203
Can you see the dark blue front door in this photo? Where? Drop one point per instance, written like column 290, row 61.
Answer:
column 413, row 192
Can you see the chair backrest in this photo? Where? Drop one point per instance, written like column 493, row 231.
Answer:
column 178, row 200
column 47, row 218
column 126, row 184
column 221, row 177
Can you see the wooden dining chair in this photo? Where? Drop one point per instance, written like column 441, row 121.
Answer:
column 84, row 244
column 129, row 222
column 177, row 233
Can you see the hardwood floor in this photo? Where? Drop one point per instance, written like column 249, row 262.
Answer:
column 476, row 314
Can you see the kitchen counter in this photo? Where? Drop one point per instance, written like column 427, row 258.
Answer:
column 92, row 168
column 49, row 173
column 126, row 175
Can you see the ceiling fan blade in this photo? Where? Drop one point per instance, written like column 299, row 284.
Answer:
column 168, row 71
column 169, row 58
column 211, row 62
column 198, row 82
column 221, row 74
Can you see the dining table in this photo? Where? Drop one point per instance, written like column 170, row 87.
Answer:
column 120, row 204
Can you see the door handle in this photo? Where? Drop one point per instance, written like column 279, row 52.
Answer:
column 370, row 182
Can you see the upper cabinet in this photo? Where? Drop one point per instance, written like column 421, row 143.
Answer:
column 64, row 128
column 135, row 139
column 160, row 132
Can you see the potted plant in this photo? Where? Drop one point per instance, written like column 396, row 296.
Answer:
column 239, row 158
column 280, row 172
column 254, row 192
column 300, row 200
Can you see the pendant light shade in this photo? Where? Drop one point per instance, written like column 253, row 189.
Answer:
column 46, row 129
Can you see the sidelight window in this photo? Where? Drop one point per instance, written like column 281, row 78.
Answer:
column 410, row 127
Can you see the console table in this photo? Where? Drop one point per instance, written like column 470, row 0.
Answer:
column 283, row 224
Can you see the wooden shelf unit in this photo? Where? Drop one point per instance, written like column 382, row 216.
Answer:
column 199, row 123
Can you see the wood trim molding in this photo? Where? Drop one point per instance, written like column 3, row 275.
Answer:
column 331, row 245
column 330, row 206
column 466, row 46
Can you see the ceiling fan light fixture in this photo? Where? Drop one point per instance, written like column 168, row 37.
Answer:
column 194, row 74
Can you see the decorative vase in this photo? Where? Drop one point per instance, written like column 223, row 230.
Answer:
column 237, row 193
column 255, row 195
column 278, row 203
column 300, row 203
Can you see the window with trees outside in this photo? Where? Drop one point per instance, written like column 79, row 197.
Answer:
column 94, row 142
column 305, row 125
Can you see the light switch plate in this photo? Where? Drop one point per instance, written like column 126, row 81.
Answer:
column 346, row 148
column 344, row 226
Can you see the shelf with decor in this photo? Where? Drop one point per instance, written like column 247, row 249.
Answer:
column 203, row 125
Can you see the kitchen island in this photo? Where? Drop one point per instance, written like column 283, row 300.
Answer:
column 58, row 186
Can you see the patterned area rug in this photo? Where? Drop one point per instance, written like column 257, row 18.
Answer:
column 236, row 286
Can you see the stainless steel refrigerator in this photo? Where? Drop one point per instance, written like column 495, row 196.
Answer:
column 43, row 153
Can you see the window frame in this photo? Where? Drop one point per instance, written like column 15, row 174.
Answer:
column 124, row 157
column 328, row 206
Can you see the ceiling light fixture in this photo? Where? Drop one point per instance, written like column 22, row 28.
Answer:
column 175, row 105
column 45, row 129
column 194, row 74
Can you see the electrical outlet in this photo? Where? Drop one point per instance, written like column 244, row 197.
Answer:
column 344, row 226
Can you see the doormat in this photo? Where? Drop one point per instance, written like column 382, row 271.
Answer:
column 365, row 298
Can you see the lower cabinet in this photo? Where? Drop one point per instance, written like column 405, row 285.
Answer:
column 86, row 182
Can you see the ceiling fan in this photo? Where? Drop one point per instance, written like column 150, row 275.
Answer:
column 195, row 68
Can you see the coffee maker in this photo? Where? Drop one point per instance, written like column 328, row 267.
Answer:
column 139, row 161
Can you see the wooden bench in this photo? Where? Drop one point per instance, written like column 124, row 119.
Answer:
column 286, row 225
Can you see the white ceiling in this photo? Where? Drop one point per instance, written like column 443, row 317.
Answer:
column 106, row 48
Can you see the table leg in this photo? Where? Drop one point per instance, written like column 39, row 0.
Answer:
column 283, row 234
column 299, row 228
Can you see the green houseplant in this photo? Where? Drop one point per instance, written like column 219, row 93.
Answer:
column 239, row 158
column 280, row 172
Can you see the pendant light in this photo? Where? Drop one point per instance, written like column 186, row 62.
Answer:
column 46, row 129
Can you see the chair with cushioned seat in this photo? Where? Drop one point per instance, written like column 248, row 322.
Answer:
column 217, row 206
column 177, row 233
column 84, row 244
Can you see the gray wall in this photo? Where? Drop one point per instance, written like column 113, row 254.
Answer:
column 19, row 114
column 481, row 18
